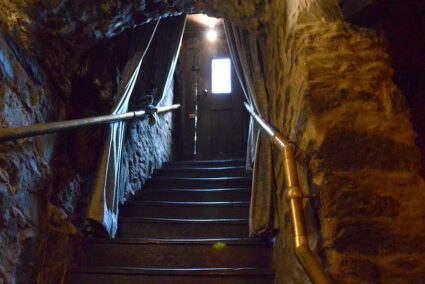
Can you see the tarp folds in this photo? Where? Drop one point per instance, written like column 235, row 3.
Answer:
column 245, row 54
column 160, row 43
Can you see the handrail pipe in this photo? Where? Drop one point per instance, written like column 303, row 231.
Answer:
column 46, row 128
column 294, row 195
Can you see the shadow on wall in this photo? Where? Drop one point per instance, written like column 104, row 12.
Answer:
column 402, row 26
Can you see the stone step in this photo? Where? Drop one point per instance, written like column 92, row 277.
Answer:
column 194, row 195
column 162, row 228
column 205, row 163
column 217, row 182
column 232, row 171
column 131, row 275
column 181, row 253
column 186, row 210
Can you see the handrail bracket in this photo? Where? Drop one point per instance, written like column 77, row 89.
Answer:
column 294, row 196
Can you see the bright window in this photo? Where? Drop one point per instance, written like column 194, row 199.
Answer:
column 221, row 77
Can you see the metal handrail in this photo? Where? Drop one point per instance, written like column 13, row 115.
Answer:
column 294, row 195
column 46, row 128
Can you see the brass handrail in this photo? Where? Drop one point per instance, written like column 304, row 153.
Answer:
column 294, row 195
column 46, row 128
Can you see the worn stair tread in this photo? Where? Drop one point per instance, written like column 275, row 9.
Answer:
column 184, row 190
column 177, row 254
column 201, row 182
column 168, row 231
column 166, row 228
column 183, row 209
column 199, row 178
column 198, row 182
column 190, row 203
column 188, row 190
column 239, row 160
column 207, row 171
column 177, row 276
column 204, row 169
column 182, row 221
column 193, row 195
column 207, row 242
column 244, row 271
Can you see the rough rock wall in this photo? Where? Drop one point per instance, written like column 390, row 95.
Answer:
column 332, row 91
column 26, row 172
column 53, row 67
column 148, row 145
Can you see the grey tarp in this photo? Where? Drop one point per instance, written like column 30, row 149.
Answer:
column 246, row 59
column 103, row 206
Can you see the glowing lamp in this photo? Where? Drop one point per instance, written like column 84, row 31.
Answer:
column 211, row 35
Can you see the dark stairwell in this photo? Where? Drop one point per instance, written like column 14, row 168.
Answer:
column 188, row 225
column 331, row 90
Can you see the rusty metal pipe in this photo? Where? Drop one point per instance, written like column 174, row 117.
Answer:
column 46, row 128
column 294, row 195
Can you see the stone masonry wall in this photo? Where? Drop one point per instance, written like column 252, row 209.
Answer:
column 25, row 169
column 330, row 87
column 332, row 91
column 57, row 61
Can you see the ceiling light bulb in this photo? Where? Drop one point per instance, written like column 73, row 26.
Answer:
column 212, row 35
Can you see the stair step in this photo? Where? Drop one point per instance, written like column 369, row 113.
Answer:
column 131, row 275
column 169, row 231
column 217, row 182
column 156, row 253
column 194, row 210
column 206, row 163
column 196, row 195
column 232, row 171
column 132, row 227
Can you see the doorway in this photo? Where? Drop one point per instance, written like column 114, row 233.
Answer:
column 213, row 123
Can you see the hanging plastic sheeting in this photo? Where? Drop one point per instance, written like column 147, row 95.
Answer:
column 166, row 53
column 158, row 68
column 103, row 206
column 245, row 54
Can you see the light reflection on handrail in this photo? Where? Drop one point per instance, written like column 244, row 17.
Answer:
column 294, row 195
column 46, row 128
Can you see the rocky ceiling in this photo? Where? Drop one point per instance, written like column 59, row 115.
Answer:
column 52, row 40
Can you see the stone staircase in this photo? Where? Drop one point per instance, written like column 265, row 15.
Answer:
column 188, row 225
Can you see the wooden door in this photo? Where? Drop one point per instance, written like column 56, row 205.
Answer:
column 211, row 126
column 222, row 121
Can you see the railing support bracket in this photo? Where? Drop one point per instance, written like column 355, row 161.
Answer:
column 294, row 196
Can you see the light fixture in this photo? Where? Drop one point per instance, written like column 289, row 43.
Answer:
column 211, row 35
column 204, row 20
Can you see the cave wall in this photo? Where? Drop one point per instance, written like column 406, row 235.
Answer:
column 59, row 62
column 331, row 89
column 25, row 168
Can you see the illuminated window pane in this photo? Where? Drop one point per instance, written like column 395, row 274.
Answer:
column 221, row 76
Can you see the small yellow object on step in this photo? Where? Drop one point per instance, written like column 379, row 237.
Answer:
column 219, row 246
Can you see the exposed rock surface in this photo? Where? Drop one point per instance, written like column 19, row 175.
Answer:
column 355, row 147
column 53, row 67
column 330, row 87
